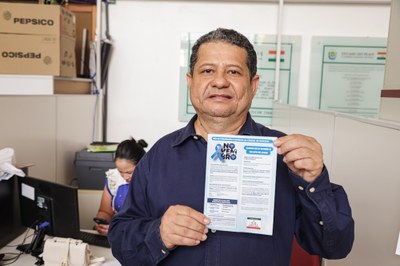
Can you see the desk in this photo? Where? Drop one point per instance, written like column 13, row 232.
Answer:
column 28, row 259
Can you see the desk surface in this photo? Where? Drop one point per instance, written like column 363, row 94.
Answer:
column 10, row 251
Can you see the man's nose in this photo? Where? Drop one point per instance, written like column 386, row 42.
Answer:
column 220, row 80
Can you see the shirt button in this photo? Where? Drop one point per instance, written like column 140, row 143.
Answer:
column 213, row 231
column 312, row 189
column 195, row 137
column 321, row 222
column 163, row 252
column 300, row 187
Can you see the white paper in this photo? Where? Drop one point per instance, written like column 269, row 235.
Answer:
column 28, row 191
column 240, row 183
column 398, row 246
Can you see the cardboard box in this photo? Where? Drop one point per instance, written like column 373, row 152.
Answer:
column 37, row 55
column 37, row 19
column 72, row 85
column 85, row 19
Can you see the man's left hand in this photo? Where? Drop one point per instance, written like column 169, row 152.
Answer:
column 302, row 154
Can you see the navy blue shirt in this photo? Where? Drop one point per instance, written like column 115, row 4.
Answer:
column 173, row 172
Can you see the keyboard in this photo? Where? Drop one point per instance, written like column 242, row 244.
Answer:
column 94, row 239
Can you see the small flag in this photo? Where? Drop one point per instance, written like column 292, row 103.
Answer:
column 381, row 55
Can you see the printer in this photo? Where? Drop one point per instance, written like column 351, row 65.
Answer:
column 91, row 168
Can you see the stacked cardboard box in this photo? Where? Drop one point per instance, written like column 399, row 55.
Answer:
column 37, row 39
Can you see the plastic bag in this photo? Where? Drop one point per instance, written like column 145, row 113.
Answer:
column 7, row 169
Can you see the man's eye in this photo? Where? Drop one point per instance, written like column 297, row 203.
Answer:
column 207, row 71
column 233, row 72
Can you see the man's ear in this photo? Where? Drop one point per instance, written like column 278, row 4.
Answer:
column 189, row 79
column 254, row 84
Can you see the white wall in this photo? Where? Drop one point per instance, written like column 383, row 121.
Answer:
column 144, row 72
column 366, row 167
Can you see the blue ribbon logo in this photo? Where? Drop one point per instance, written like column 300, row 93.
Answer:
column 217, row 152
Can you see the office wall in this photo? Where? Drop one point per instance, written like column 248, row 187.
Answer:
column 46, row 131
column 362, row 155
column 144, row 72
column 319, row 124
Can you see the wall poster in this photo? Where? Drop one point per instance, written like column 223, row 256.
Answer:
column 347, row 74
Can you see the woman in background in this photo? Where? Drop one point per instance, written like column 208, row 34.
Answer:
column 128, row 154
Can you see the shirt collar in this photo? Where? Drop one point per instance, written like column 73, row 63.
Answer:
column 248, row 128
column 186, row 132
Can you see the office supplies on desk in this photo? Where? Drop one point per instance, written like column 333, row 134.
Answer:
column 68, row 251
column 102, row 146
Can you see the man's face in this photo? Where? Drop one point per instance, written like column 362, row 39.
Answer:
column 221, row 85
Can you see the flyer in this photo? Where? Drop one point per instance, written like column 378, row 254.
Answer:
column 240, row 183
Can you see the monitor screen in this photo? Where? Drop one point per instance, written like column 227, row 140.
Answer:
column 10, row 223
column 43, row 201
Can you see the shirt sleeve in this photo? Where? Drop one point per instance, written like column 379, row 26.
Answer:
column 324, row 224
column 134, row 234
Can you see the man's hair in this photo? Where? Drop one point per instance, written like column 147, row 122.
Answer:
column 228, row 36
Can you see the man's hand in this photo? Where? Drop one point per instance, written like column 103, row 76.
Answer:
column 183, row 226
column 302, row 154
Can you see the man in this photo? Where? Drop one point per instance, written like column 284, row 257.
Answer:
column 162, row 222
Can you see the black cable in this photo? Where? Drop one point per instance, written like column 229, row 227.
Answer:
column 106, row 14
column 16, row 245
column 16, row 255
column 105, row 111
column 105, row 60
column 25, row 237
column 11, row 260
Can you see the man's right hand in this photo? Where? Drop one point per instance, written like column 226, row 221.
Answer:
column 183, row 226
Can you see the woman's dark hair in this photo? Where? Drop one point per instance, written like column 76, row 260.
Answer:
column 131, row 150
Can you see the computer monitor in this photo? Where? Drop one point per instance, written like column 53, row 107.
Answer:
column 10, row 223
column 42, row 201
column 51, row 209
